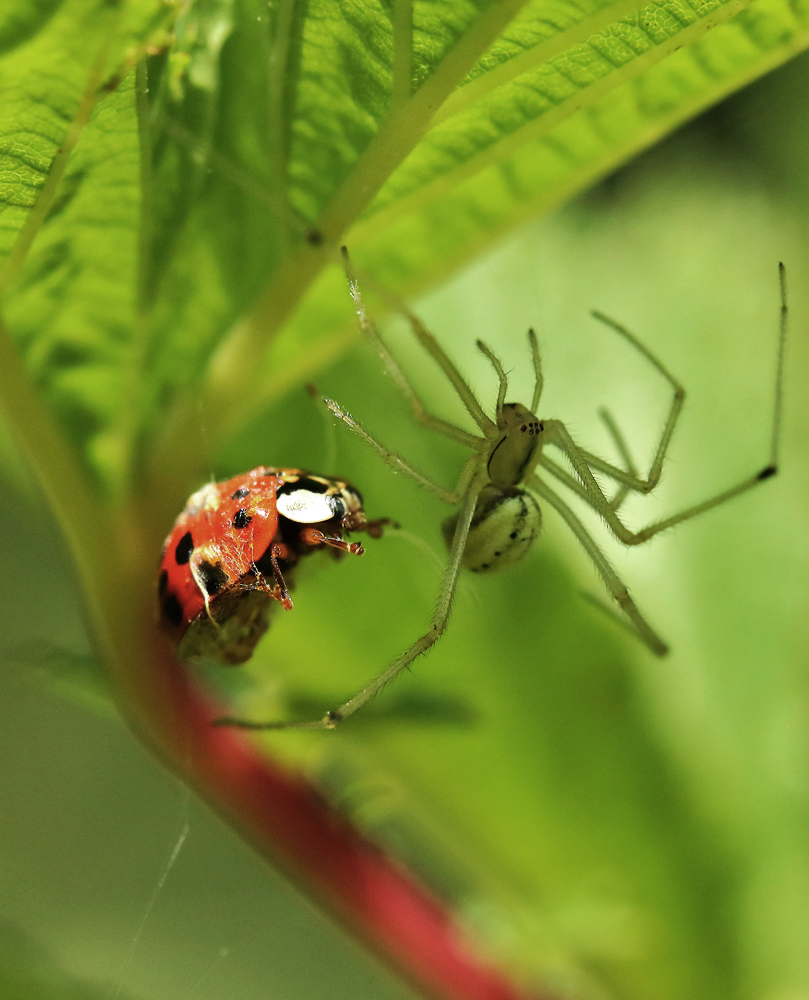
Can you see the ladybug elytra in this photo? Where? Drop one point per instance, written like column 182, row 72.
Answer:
column 233, row 548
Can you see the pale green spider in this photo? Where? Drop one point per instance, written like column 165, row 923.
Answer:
column 498, row 517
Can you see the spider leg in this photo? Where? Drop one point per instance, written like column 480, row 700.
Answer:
column 620, row 443
column 630, row 479
column 633, row 482
column 575, row 485
column 468, row 398
column 600, row 503
column 656, row 468
column 437, row 628
column 394, row 460
column 433, row 348
column 611, row 579
column 539, row 379
column 502, row 378
column 564, row 477
column 417, row 407
column 581, row 461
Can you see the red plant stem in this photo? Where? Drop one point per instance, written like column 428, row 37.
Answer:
column 278, row 810
column 290, row 823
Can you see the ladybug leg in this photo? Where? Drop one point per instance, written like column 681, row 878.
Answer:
column 375, row 528
column 358, row 522
column 210, row 617
column 314, row 536
column 207, row 587
column 279, row 591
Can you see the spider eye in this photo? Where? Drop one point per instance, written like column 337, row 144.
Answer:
column 505, row 525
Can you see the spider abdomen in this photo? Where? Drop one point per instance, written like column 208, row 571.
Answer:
column 504, row 527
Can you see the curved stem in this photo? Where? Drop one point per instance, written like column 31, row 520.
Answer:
column 86, row 524
column 402, row 18
column 278, row 147
column 225, row 384
column 277, row 810
column 285, row 819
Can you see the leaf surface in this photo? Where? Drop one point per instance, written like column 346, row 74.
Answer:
column 174, row 185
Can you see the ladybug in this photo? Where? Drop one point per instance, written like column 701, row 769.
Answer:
column 232, row 550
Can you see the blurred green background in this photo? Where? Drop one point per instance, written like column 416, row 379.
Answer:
column 608, row 824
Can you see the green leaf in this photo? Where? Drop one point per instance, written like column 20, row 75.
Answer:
column 69, row 174
column 54, row 61
column 267, row 135
column 172, row 196
column 541, row 115
column 73, row 307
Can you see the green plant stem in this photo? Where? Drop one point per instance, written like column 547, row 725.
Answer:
column 402, row 129
column 130, row 414
column 277, row 77
column 85, row 522
column 402, row 18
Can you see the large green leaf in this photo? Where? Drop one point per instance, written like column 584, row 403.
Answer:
column 265, row 137
column 605, row 826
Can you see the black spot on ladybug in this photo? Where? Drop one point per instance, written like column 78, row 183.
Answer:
column 213, row 577
column 338, row 508
column 173, row 610
column 241, row 518
column 163, row 584
column 184, row 549
column 240, row 493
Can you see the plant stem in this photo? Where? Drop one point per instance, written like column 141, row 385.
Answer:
column 227, row 380
column 287, row 821
column 85, row 523
column 402, row 18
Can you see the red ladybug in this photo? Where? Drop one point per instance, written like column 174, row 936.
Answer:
column 222, row 564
